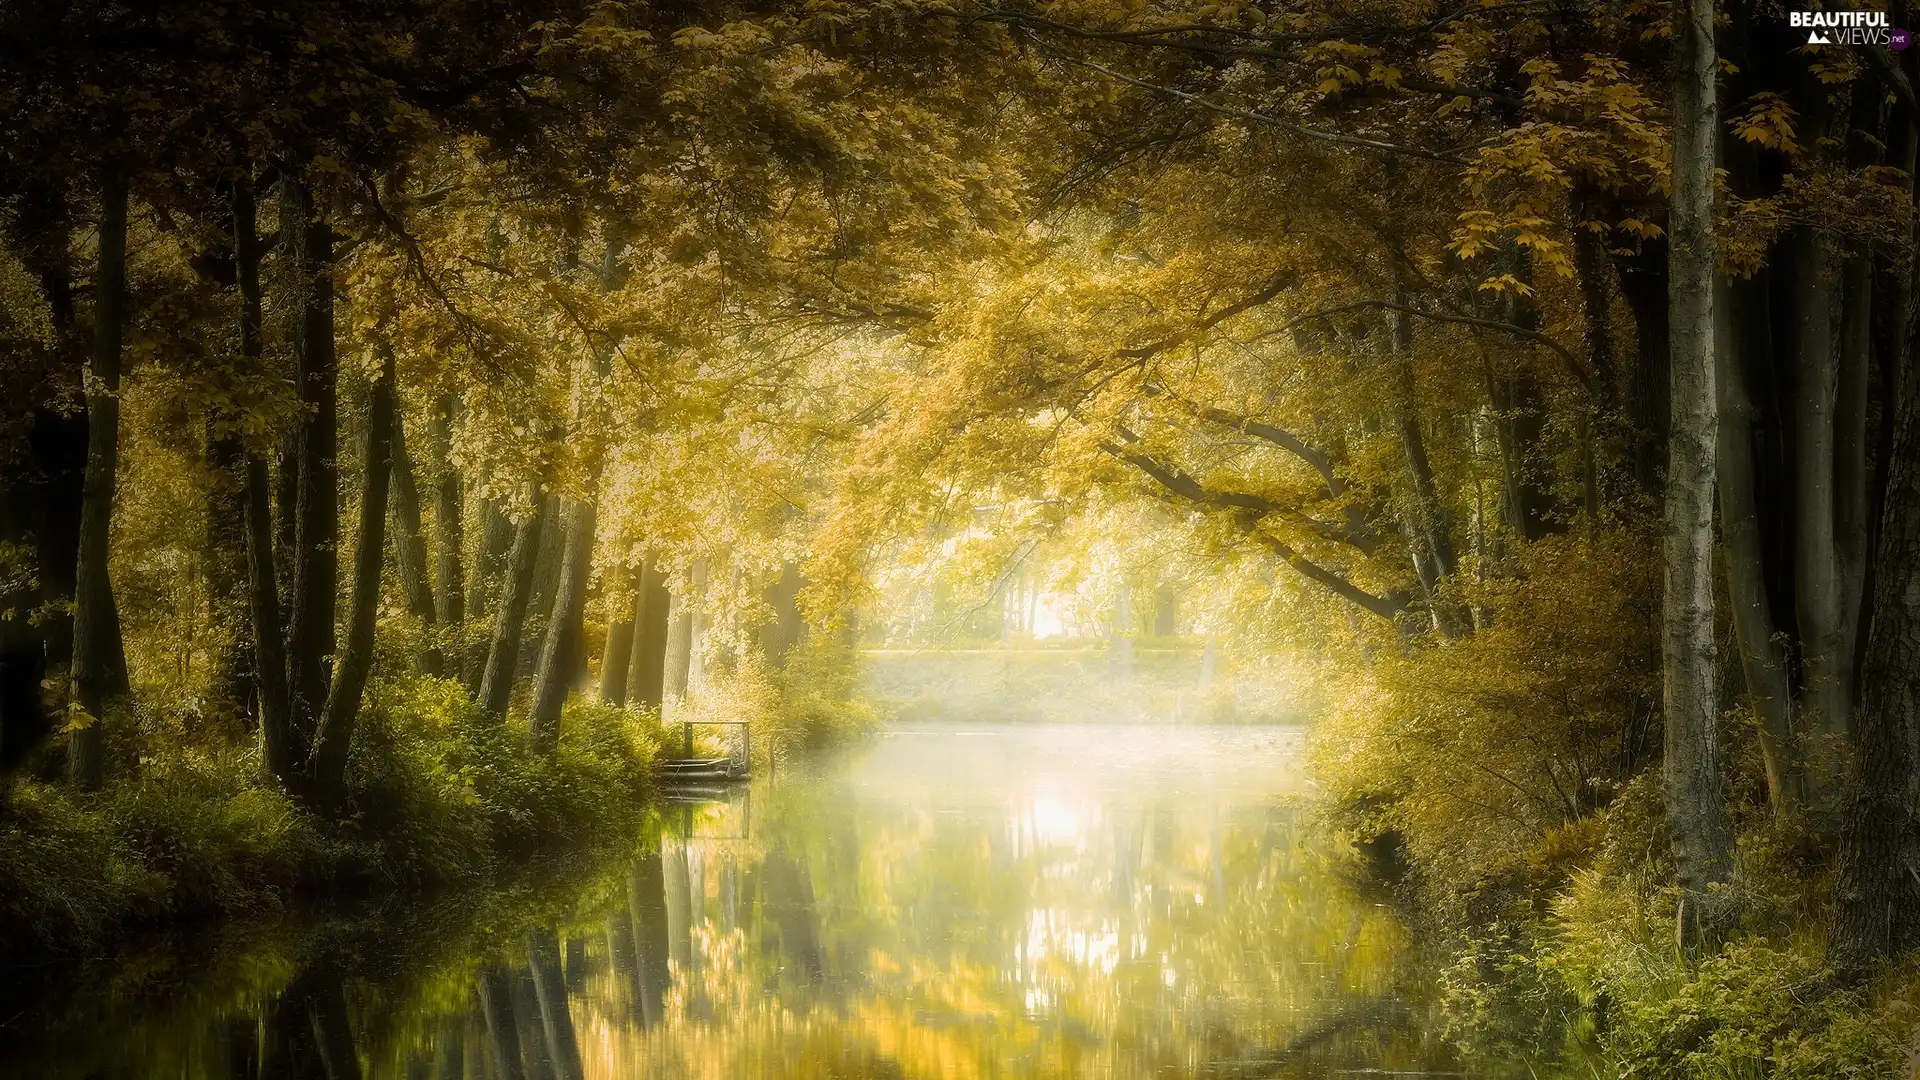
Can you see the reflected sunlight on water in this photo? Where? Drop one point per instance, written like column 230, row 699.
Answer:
column 946, row 901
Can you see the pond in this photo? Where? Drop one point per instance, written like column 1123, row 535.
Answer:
column 944, row 900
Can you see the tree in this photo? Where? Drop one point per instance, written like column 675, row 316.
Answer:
column 1702, row 838
column 95, row 630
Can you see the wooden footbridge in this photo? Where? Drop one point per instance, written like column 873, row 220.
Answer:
column 704, row 778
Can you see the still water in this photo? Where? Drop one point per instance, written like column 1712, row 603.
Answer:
column 945, row 900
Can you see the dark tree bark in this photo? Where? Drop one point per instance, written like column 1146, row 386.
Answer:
column 49, row 488
column 95, row 624
column 565, row 636
column 334, row 741
column 307, row 241
column 1877, row 909
column 227, row 566
column 410, row 549
column 1818, row 585
column 59, row 448
column 503, row 658
column 651, row 617
column 1893, row 338
column 281, row 756
column 449, row 579
column 1428, row 531
column 1763, row 662
column 23, row 719
column 1596, row 321
column 1701, row 835
column 282, row 759
column 1852, row 505
column 286, row 507
column 1643, row 282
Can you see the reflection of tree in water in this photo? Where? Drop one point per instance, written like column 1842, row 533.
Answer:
column 953, row 932
column 308, row 1034
column 789, row 903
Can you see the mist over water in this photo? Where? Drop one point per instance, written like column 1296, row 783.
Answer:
column 948, row 899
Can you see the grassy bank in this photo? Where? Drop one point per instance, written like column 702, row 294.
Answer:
column 439, row 796
column 1507, row 787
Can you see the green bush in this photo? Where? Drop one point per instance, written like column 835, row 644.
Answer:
column 438, row 793
column 1757, row 1011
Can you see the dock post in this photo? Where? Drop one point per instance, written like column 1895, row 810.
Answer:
column 686, row 728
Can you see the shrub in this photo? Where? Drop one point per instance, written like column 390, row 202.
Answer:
column 437, row 794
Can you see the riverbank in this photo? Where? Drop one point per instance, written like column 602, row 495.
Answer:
column 439, row 796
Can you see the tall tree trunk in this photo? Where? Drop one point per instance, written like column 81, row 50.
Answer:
column 278, row 753
column 489, row 571
column 449, row 583
column 616, row 660
column 563, row 653
column 546, row 581
column 1428, row 532
column 226, row 546
column 788, row 628
column 1762, row 660
column 41, row 232
column 286, row 503
column 1696, row 812
column 1893, row 337
column 410, row 547
column 308, row 247
column 1852, row 504
column 503, row 658
column 1596, row 319
column 59, row 445
column 564, row 641
column 1852, row 525
column 679, row 652
column 651, row 620
column 1644, row 283
column 93, row 649
column 700, row 653
column 335, row 739
column 1817, row 579
column 1877, row 909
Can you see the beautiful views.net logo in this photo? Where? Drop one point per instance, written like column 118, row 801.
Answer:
column 1849, row 28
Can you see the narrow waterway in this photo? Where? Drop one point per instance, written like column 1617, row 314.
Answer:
column 945, row 900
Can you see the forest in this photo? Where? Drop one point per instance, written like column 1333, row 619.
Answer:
column 427, row 421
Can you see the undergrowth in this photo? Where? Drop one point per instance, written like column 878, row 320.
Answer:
column 439, row 795
column 1514, row 775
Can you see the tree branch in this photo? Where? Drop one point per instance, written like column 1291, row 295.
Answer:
column 1335, row 137
column 1248, row 510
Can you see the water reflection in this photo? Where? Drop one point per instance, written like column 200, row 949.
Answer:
column 947, row 902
